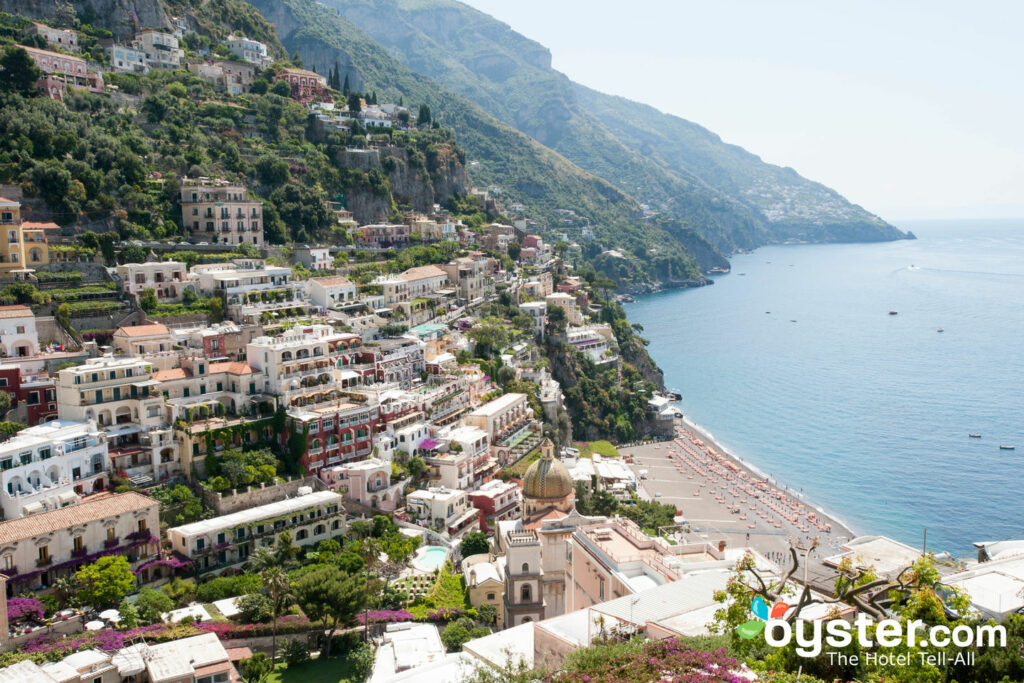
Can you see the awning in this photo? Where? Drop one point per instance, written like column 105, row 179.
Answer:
column 146, row 383
column 32, row 508
column 123, row 430
column 68, row 497
column 471, row 513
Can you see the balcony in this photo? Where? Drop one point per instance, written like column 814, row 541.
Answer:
column 111, row 542
column 44, row 561
column 80, row 552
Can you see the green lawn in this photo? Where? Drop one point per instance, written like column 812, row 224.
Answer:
column 602, row 448
column 330, row 670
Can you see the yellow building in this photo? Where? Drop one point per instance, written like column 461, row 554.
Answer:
column 22, row 246
column 484, row 580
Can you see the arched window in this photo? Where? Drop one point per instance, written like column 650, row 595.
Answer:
column 526, row 567
column 490, row 596
column 524, row 593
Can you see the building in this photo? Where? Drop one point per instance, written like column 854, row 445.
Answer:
column 485, row 583
column 234, row 78
column 382, row 236
column 121, row 395
column 472, row 275
column 18, row 335
column 50, row 466
column 314, row 258
column 313, row 357
column 497, row 500
column 221, row 542
column 367, row 482
column 143, row 340
column 25, row 245
column 199, row 659
column 445, row 509
column 220, row 212
column 307, row 86
column 161, row 49
column 538, row 310
column 62, row 71
column 37, row 549
column 332, row 292
column 397, row 360
column 405, row 646
column 501, row 417
column 128, row 59
column 167, row 279
column 336, row 431
column 249, row 50
column 423, row 281
column 199, row 389
column 33, row 395
column 591, row 342
column 62, row 38
column 567, row 303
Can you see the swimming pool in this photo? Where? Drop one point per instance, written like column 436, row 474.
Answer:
column 430, row 558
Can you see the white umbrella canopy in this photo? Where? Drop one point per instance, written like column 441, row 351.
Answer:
column 111, row 614
column 94, row 625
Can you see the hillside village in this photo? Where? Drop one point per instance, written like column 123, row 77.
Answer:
column 402, row 449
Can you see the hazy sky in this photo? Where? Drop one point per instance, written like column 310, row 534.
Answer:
column 911, row 109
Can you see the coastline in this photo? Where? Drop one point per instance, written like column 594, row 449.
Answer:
column 726, row 499
column 837, row 524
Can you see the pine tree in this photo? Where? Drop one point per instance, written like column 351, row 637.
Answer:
column 424, row 116
column 345, row 88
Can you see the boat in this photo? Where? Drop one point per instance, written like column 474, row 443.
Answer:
column 974, row 436
column 893, row 312
column 674, row 395
column 1007, row 448
column 940, row 330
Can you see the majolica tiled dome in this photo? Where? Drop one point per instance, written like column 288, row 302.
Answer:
column 547, row 478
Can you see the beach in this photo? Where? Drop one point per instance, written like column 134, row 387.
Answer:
column 722, row 498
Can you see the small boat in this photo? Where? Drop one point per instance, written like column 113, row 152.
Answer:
column 741, row 274
column 940, row 330
column 893, row 312
column 974, row 436
column 1007, row 448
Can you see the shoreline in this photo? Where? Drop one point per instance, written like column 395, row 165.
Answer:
column 726, row 499
column 838, row 525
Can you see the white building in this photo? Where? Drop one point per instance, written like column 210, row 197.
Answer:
column 314, row 258
column 249, row 50
column 166, row 278
column 120, row 395
column 590, row 342
column 331, row 292
column 305, row 358
column 538, row 310
column 161, row 49
column 18, row 336
column 502, row 416
column 128, row 59
column 51, row 465
column 445, row 508
column 217, row 543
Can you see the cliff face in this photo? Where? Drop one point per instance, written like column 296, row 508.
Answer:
column 409, row 181
column 121, row 17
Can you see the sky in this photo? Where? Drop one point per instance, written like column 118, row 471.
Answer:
column 914, row 110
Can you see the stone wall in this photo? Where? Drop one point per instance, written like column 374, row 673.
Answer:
column 265, row 494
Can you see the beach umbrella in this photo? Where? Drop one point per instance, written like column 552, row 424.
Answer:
column 94, row 625
column 110, row 614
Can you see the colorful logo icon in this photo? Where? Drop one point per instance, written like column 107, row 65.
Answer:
column 759, row 608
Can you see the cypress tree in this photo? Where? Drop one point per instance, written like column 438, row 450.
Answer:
column 345, row 88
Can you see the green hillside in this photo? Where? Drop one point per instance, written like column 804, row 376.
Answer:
column 729, row 195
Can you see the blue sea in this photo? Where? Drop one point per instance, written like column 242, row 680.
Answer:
column 794, row 364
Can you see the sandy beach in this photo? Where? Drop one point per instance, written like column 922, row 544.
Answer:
column 723, row 499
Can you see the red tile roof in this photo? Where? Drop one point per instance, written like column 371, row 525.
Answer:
column 15, row 311
column 232, row 368
column 167, row 375
column 73, row 515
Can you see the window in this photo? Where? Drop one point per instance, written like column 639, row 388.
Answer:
column 111, row 533
column 490, row 596
column 7, row 562
column 44, row 554
column 142, row 526
column 44, row 453
column 526, row 567
column 3, row 381
column 21, row 329
column 78, row 544
column 524, row 594
column 600, row 589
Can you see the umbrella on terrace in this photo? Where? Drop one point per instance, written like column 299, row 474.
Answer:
column 94, row 625
column 110, row 615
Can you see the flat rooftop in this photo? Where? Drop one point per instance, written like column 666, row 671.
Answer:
column 281, row 507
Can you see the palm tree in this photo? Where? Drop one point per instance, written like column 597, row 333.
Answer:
column 278, row 587
column 264, row 558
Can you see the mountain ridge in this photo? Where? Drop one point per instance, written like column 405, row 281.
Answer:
column 730, row 195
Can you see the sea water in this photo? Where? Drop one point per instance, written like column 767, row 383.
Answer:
column 795, row 364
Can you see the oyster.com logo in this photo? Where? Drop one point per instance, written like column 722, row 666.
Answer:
column 759, row 608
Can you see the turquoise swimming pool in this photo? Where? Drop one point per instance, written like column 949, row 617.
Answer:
column 430, row 558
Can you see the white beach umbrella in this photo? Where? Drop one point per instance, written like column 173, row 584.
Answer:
column 111, row 614
column 94, row 625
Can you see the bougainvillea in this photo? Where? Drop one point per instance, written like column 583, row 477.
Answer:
column 385, row 615
column 666, row 661
column 24, row 607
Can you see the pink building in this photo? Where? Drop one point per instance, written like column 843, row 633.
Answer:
column 61, row 71
column 367, row 483
column 307, row 86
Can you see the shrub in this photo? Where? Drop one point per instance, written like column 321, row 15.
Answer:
column 254, row 608
column 228, row 587
column 295, row 652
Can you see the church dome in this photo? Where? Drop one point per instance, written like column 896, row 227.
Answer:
column 547, row 478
